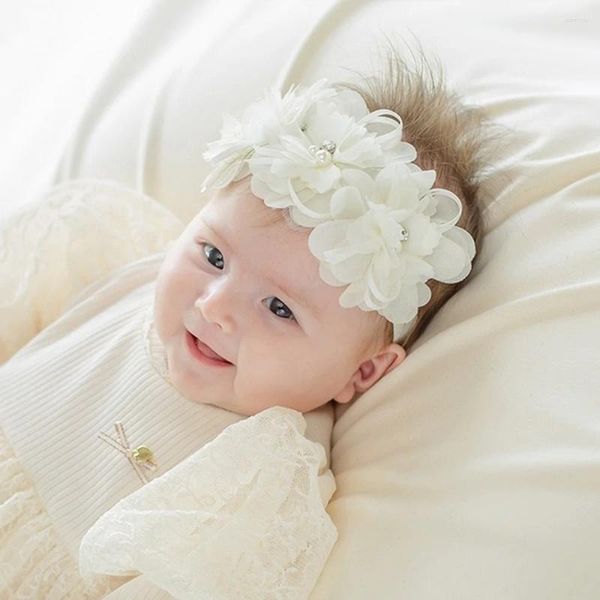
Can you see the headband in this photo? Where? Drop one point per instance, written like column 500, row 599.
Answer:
column 378, row 227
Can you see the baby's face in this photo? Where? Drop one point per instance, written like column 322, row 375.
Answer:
column 251, row 291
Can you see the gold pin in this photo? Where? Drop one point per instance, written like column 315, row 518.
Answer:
column 140, row 458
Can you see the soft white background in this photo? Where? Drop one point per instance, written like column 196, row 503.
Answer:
column 52, row 54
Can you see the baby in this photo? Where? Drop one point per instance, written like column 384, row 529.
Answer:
column 247, row 322
column 340, row 219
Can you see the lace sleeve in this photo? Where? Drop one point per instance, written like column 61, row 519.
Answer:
column 243, row 517
column 72, row 235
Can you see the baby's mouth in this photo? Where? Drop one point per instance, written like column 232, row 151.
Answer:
column 208, row 351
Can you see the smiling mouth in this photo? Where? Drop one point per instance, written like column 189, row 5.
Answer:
column 202, row 351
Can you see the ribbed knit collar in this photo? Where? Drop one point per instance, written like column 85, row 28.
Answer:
column 155, row 350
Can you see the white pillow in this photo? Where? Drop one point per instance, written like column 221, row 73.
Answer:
column 473, row 470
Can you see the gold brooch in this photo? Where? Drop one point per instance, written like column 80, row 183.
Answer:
column 140, row 457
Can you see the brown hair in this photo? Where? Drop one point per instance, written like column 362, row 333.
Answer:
column 455, row 139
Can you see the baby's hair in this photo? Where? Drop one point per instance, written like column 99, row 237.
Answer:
column 455, row 139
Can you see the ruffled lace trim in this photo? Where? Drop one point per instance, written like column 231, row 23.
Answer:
column 243, row 517
column 33, row 562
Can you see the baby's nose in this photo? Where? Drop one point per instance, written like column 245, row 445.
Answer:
column 216, row 304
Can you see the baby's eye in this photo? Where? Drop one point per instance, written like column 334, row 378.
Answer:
column 276, row 306
column 213, row 253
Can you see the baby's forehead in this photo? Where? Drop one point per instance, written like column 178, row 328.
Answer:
column 238, row 210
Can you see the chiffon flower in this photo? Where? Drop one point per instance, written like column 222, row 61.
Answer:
column 387, row 237
column 261, row 123
column 301, row 172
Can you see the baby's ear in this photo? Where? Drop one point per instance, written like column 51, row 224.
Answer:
column 371, row 371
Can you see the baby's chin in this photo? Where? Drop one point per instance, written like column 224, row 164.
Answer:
column 211, row 397
column 245, row 409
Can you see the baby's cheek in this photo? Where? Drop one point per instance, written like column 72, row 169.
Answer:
column 166, row 285
column 259, row 387
column 180, row 286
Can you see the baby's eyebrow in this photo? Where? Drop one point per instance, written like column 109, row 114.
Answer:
column 295, row 293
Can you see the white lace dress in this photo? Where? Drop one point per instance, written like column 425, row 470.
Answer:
column 237, row 507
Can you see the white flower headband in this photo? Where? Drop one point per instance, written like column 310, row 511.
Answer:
column 378, row 228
